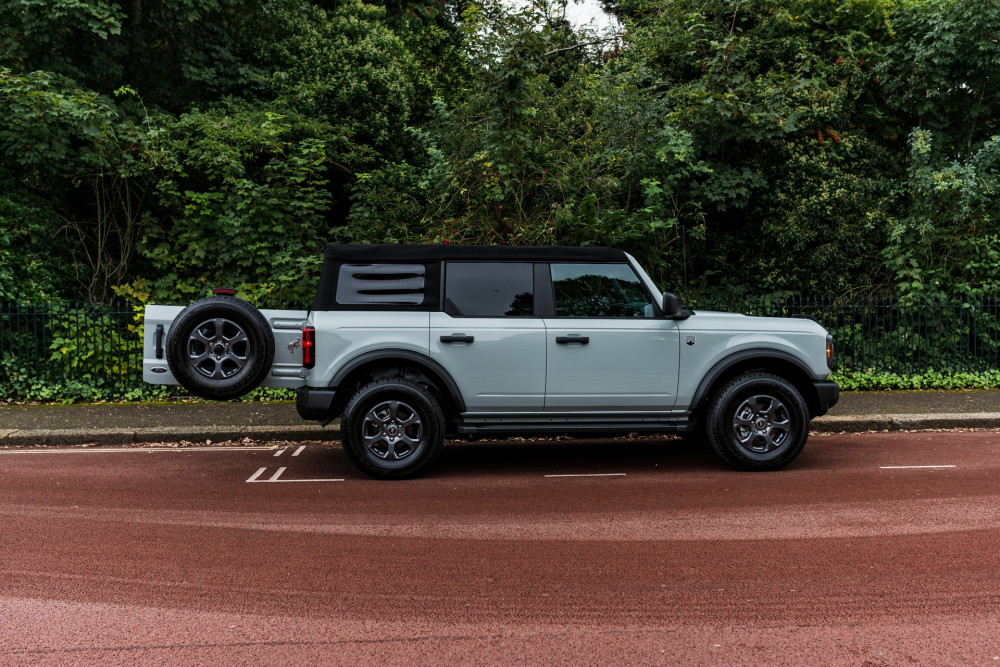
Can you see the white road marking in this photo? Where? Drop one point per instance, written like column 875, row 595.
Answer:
column 596, row 474
column 117, row 450
column 912, row 467
column 280, row 451
column 276, row 478
column 299, row 450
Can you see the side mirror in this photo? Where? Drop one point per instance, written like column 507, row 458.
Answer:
column 671, row 304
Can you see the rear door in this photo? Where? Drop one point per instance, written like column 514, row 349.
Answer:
column 608, row 349
column 489, row 338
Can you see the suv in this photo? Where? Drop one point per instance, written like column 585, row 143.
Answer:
column 411, row 344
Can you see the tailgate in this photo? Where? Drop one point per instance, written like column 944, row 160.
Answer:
column 286, row 328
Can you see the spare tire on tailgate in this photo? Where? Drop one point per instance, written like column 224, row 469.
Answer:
column 220, row 348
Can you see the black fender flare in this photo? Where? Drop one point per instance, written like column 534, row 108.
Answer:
column 436, row 370
column 701, row 394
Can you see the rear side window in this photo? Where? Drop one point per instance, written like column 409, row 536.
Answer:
column 489, row 289
column 368, row 284
column 599, row 290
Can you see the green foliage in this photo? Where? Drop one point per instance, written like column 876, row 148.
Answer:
column 50, row 125
column 778, row 100
column 91, row 347
column 343, row 66
column 72, row 148
column 940, row 71
column 65, row 352
column 62, row 36
column 930, row 379
column 243, row 199
column 722, row 136
column 544, row 147
column 153, row 150
column 755, row 145
column 26, row 248
column 944, row 230
column 172, row 53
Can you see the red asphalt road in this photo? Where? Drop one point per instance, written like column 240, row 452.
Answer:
column 172, row 557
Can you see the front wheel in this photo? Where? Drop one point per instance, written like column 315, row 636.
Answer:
column 392, row 429
column 758, row 421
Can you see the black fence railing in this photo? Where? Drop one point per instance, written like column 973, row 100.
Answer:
column 82, row 350
column 70, row 351
column 888, row 334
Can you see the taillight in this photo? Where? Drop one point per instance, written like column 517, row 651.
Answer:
column 829, row 352
column 224, row 291
column 308, row 347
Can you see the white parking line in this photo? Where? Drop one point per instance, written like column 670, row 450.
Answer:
column 596, row 474
column 281, row 451
column 276, row 478
column 912, row 467
column 299, row 450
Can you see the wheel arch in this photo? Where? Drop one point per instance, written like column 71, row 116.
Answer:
column 766, row 360
column 427, row 370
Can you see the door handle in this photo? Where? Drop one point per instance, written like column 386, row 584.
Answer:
column 457, row 338
column 566, row 340
column 158, row 339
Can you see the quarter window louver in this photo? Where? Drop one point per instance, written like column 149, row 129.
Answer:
column 361, row 284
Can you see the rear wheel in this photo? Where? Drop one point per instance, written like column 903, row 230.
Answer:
column 392, row 429
column 758, row 421
column 220, row 348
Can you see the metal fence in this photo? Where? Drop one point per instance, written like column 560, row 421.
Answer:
column 59, row 351
column 82, row 351
column 61, row 345
column 888, row 334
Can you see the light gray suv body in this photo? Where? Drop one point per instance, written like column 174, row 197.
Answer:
column 412, row 344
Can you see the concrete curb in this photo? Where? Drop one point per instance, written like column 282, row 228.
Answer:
column 905, row 422
column 310, row 431
column 125, row 436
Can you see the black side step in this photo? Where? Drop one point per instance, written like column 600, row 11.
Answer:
column 578, row 429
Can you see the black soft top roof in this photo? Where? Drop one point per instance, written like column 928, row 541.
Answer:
column 387, row 252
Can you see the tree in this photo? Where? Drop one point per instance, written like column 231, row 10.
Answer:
column 73, row 149
column 781, row 104
column 940, row 71
column 243, row 203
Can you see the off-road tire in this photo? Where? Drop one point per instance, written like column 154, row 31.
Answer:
column 220, row 348
column 758, row 421
column 392, row 429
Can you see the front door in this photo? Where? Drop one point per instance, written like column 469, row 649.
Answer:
column 607, row 350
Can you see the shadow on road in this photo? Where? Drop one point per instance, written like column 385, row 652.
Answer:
column 550, row 457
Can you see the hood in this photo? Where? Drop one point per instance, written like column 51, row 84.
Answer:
column 708, row 320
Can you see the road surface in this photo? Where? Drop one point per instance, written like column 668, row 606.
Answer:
column 876, row 549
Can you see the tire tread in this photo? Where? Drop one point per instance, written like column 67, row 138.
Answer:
column 261, row 344
column 349, row 427
column 716, row 427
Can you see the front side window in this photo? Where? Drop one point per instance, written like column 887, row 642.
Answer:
column 489, row 289
column 599, row 290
